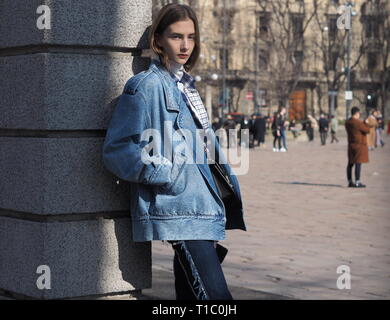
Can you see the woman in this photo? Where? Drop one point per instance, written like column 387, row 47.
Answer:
column 333, row 128
column 357, row 131
column 373, row 123
column 276, row 132
column 172, row 197
column 379, row 129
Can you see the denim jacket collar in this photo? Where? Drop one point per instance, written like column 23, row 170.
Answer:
column 172, row 93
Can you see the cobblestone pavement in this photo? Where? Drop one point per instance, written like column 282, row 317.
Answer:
column 303, row 222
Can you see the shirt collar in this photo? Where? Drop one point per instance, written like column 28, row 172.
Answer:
column 177, row 72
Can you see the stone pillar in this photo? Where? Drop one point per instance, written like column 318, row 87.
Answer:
column 65, row 229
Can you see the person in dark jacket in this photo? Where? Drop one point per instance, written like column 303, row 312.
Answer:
column 252, row 131
column 230, row 124
column 293, row 128
column 323, row 128
column 216, row 124
column 357, row 131
column 276, row 131
column 306, row 126
column 260, row 130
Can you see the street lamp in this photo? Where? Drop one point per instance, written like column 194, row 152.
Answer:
column 224, row 60
column 256, row 97
column 348, row 93
column 214, row 76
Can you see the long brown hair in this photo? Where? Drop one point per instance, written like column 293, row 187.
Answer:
column 168, row 15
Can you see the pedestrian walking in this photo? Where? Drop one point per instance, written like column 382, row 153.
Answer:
column 187, row 204
column 285, row 124
column 323, row 125
column 277, row 126
column 216, row 124
column 306, row 126
column 371, row 137
column 231, row 133
column 252, row 131
column 260, row 127
column 334, row 124
column 313, row 126
column 357, row 131
column 379, row 130
column 293, row 128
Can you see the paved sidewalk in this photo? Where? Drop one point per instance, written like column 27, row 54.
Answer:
column 303, row 222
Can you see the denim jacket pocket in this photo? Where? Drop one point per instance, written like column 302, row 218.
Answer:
column 178, row 181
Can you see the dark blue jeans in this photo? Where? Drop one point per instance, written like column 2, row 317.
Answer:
column 198, row 272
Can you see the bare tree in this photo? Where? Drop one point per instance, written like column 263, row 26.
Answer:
column 375, row 17
column 385, row 72
column 330, row 43
column 284, row 43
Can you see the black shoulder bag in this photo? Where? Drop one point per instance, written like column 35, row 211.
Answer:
column 229, row 198
column 224, row 186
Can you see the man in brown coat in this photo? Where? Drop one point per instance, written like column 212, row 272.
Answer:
column 357, row 131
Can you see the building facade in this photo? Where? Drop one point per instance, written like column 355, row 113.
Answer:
column 293, row 53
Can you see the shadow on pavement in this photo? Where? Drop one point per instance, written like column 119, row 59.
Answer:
column 163, row 289
column 312, row 184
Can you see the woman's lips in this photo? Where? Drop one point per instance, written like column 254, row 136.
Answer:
column 183, row 55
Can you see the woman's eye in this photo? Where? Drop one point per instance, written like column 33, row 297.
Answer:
column 179, row 37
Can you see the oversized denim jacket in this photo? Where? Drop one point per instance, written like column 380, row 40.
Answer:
column 173, row 197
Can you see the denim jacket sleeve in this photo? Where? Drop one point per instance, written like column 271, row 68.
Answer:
column 123, row 152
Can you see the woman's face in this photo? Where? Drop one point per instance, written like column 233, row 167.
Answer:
column 178, row 40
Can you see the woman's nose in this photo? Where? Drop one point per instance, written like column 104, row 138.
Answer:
column 184, row 44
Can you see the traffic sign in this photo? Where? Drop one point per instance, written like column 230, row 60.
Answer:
column 249, row 95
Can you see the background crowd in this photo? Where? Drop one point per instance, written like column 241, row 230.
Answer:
column 277, row 125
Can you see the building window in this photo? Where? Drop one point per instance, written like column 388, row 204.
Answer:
column 333, row 56
column 264, row 24
column 372, row 27
column 372, row 60
column 263, row 59
column 221, row 58
column 221, row 3
column 332, row 27
column 297, row 26
column 298, row 57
